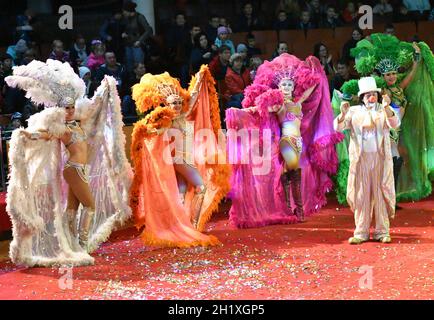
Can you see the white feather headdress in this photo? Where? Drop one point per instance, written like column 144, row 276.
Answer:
column 50, row 83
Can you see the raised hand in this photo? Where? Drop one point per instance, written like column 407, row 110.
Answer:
column 345, row 106
column 386, row 100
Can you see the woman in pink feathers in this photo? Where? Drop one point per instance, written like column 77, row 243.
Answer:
column 282, row 144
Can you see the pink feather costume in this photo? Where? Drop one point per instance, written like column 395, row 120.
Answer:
column 258, row 199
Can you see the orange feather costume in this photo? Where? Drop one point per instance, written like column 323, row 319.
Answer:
column 154, row 195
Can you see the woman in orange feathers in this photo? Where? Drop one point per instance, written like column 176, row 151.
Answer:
column 178, row 181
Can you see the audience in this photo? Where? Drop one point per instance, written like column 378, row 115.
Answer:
column 236, row 80
column 342, row 75
column 78, row 53
column 331, row 19
column 112, row 68
column 248, row 20
column 96, row 57
column 211, row 28
column 282, row 47
column 356, row 36
column 283, row 22
column 58, row 53
column 291, row 7
column 350, row 14
column 252, row 50
column 111, row 33
column 128, row 49
column 305, row 22
column 202, row 52
column 321, row 52
column 223, row 39
column 219, row 65
column 137, row 31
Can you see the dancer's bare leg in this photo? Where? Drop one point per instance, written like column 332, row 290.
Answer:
column 71, row 212
column 82, row 192
column 192, row 176
column 182, row 186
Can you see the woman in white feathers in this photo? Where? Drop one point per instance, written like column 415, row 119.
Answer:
column 60, row 221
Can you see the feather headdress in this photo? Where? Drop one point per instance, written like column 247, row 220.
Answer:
column 154, row 90
column 50, row 83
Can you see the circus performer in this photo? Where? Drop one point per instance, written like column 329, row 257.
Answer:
column 370, row 187
column 69, row 177
column 412, row 95
column 288, row 104
column 178, row 180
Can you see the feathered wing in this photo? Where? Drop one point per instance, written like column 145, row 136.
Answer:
column 37, row 194
column 36, row 199
column 110, row 172
column 206, row 116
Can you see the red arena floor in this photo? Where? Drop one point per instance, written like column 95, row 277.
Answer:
column 311, row 260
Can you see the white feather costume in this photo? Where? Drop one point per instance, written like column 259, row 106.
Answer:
column 37, row 192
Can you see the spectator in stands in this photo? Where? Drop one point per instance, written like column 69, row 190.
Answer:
column 176, row 38
column 58, row 53
column 389, row 29
column 283, row 22
column 419, row 6
column 29, row 56
column 219, row 64
column 321, row 52
column 112, row 68
column 111, row 33
column 223, row 39
column 189, row 44
column 431, row 15
column 252, row 50
column 243, row 51
column 7, row 64
column 316, row 11
column 305, row 23
column 331, row 19
column 356, row 36
column 156, row 63
column 291, row 7
column 211, row 28
column 224, row 23
column 401, row 15
column 30, row 109
column 350, row 14
column 137, row 31
column 342, row 75
column 16, row 120
column 202, row 52
column 128, row 107
column 248, row 20
column 236, row 80
column 78, row 53
column 85, row 74
column 96, row 57
column 383, row 8
column 17, row 51
column 282, row 47
column 254, row 64
column 24, row 27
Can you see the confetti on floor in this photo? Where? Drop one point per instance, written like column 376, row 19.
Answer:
column 311, row 260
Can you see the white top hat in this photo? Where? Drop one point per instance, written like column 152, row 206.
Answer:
column 367, row 84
